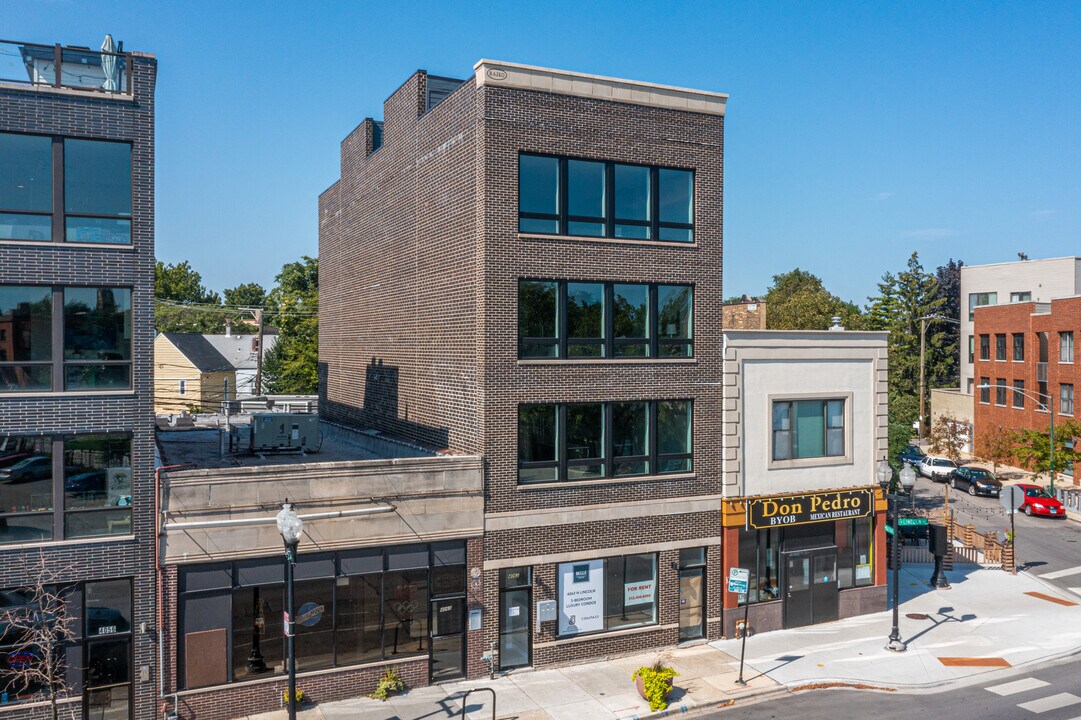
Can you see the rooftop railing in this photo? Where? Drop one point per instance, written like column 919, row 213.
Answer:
column 64, row 66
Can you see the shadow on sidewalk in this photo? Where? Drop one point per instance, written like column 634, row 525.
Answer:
column 944, row 616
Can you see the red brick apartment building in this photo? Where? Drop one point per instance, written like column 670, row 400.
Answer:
column 1026, row 348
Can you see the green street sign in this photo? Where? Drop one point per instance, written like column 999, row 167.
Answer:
column 911, row 522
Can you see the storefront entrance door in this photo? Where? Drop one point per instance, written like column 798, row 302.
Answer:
column 448, row 638
column 691, row 600
column 810, row 584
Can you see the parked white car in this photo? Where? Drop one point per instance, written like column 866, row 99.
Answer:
column 936, row 468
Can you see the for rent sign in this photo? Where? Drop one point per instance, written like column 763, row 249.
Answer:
column 804, row 509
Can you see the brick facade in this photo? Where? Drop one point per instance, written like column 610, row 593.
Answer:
column 420, row 259
column 130, row 118
column 1027, row 319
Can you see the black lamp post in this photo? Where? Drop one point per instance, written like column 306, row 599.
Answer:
column 884, row 473
column 290, row 526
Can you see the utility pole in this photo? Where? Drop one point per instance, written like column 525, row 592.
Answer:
column 923, row 389
column 259, row 354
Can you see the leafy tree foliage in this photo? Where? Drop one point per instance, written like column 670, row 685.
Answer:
column 949, row 289
column 903, row 299
column 1033, row 448
column 996, row 445
column 180, row 283
column 948, row 436
column 797, row 300
column 291, row 366
column 245, row 295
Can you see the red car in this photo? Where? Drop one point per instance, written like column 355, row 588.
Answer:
column 1039, row 502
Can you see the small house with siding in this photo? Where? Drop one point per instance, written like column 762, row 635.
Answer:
column 190, row 374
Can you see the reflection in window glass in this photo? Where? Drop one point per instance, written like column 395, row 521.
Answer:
column 25, row 338
column 358, row 619
column 26, row 173
column 674, row 423
column 630, row 438
column 314, row 603
column 585, row 198
column 538, row 193
column 97, row 230
column 108, row 607
column 257, row 631
column 97, row 177
column 97, row 474
column 630, row 320
column 26, row 489
column 585, row 441
column 675, row 307
column 405, row 611
column 538, row 318
column 676, row 189
column 585, row 319
column 17, row 226
column 630, row 591
column 97, row 338
column 631, row 193
column 537, row 443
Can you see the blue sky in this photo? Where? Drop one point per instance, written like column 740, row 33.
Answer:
column 856, row 132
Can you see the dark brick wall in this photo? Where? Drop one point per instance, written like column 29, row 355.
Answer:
column 420, row 259
column 97, row 117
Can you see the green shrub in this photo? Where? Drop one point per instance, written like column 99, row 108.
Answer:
column 656, row 681
column 391, row 683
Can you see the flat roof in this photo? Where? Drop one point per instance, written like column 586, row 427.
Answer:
column 1021, row 262
column 202, row 446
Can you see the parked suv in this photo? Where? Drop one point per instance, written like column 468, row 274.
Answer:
column 976, row 480
column 936, row 468
column 912, row 455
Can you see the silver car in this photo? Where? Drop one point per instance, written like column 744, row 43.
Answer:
column 936, row 468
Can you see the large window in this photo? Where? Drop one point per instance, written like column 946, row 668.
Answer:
column 586, row 441
column 610, row 593
column 976, row 300
column 985, row 390
column 805, row 429
column 89, row 203
column 1018, row 347
column 1065, row 405
column 95, row 324
column 1000, row 346
column 590, row 198
column 583, row 320
column 352, row 607
column 96, row 481
column 1065, row 347
column 1019, row 394
column 1000, row 391
column 985, row 347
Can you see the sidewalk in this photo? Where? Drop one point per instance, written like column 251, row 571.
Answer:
column 987, row 621
column 594, row 691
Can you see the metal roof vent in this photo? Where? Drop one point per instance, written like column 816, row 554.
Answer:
column 438, row 88
column 836, row 327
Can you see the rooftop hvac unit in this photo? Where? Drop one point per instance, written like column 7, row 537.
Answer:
column 278, row 432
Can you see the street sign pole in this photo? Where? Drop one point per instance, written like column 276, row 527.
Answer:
column 739, row 582
column 1012, row 498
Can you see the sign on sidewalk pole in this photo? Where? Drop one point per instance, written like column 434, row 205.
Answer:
column 738, row 581
column 1012, row 498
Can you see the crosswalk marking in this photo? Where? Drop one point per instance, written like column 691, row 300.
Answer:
column 1062, row 573
column 1052, row 702
column 1017, row 686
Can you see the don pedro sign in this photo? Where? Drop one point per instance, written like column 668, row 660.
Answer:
column 810, row 508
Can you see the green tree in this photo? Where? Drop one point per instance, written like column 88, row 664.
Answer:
column 245, row 295
column 902, row 300
column 184, row 304
column 291, row 366
column 949, row 289
column 798, row 300
column 1033, row 448
column 180, row 283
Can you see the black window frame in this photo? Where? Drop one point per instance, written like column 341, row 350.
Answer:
column 1018, row 395
column 1000, row 347
column 609, row 221
column 59, row 214
column 1001, row 388
column 1018, row 347
column 609, row 344
column 653, row 459
column 59, row 362
column 985, row 391
column 985, row 347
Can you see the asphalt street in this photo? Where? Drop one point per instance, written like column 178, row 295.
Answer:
column 1045, row 546
column 1049, row 692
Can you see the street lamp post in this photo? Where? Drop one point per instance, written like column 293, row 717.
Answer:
column 1049, row 406
column 290, row 526
column 884, row 473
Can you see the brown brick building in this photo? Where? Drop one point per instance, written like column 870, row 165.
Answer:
column 527, row 266
column 747, row 314
column 1025, row 352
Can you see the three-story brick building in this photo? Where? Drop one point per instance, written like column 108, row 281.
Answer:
column 76, row 334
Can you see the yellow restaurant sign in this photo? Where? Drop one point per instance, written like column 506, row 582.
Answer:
column 784, row 510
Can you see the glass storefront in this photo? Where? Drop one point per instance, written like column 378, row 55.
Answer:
column 352, row 607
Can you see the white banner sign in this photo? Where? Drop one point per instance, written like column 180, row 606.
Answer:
column 581, row 597
column 637, row 593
